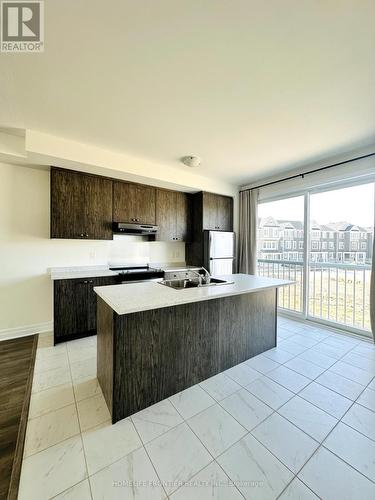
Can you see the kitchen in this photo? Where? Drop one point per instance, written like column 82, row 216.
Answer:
column 205, row 222
column 198, row 227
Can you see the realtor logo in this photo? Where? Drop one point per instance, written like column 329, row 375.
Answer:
column 22, row 26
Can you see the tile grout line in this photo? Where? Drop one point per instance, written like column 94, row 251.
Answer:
column 313, row 380
column 250, row 432
column 338, row 420
column 213, row 458
column 322, row 446
column 319, row 444
column 152, row 463
column 80, row 428
column 294, row 394
column 66, row 439
column 245, row 387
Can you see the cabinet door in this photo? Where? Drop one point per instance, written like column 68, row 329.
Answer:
column 123, row 204
column 133, row 203
column 225, row 213
column 98, row 204
column 67, row 204
column 182, row 216
column 210, row 219
column 92, row 298
column 166, row 215
column 70, row 308
column 145, row 197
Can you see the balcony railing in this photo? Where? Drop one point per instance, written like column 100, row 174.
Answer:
column 338, row 293
column 290, row 297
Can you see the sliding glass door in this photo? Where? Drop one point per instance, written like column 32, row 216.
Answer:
column 340, row 256
column 281, row 247
column 323, row 241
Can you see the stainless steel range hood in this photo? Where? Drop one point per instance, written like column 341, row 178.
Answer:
column 135, row 229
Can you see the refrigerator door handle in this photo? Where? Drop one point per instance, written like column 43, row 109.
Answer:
column 223, row 258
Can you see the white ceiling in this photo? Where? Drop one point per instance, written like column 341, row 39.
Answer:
column 253, row 87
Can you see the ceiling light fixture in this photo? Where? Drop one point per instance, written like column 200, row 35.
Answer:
column 191, row 161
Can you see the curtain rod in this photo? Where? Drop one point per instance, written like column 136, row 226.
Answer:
column 310, row 172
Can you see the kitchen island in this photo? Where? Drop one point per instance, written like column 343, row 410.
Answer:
column 155, row 341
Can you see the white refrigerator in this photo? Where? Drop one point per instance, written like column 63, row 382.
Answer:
column 219, row 252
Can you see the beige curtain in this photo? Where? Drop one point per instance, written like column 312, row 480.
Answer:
column 247, row 242
column 372, row 291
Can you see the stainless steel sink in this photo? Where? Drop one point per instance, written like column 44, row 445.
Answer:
column 190, row 283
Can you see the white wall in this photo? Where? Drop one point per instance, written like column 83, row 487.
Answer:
column 26, row 252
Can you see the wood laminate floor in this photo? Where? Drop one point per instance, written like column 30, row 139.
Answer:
column 17, row 358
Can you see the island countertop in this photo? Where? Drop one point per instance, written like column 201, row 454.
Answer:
column 136, row 297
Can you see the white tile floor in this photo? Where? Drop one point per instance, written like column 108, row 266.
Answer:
column 296, row 422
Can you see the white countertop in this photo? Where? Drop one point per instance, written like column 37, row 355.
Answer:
column 65, row 273
column 136, row 297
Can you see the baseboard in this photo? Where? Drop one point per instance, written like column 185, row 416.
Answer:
column 24, row 331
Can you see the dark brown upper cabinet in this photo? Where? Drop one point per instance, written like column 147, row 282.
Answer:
column 172, row 215
column 81, row 206
column 133, row 203
column 217, row 212
column 183, row 216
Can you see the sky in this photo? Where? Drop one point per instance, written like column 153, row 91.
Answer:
column 354, row 204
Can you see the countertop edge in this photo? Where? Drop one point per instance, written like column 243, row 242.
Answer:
column 56, row 274
column 191, row 301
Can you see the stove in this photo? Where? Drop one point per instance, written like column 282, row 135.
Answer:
column 133, row 274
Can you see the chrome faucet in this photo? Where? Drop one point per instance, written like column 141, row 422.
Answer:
column 193, row 271
column 207, row 275
column 202, row 279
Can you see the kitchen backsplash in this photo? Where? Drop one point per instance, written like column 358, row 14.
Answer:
column 136, row 249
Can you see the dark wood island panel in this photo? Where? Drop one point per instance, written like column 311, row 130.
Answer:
column 147, row 356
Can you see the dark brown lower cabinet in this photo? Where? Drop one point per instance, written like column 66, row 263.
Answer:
column 75, row 307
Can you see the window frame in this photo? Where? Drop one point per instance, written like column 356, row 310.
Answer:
column 306, row 193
